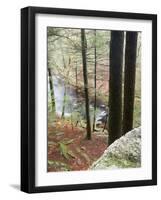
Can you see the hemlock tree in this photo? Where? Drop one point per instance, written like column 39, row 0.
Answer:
column 84, row 61
column 76, row 76
column 95, row 86
column 129, row 82
column 64, row 97
column 115, row 85
column 51, row 89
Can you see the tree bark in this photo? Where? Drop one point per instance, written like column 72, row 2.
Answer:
column 129, row 82
column 65, row 82
column 84, row 46
column 95, row 84
column 76, row 76
column 64, row 102
column 51, row 90
column 115, row 85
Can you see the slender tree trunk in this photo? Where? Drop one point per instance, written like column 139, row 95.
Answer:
column 84, row 46
column 64, row 97
column 71, row 116
column 105, row 125
column 64, row 102
column 76, row 78
column 95, row 86
column 115, row 85
column 129, row 82
column 65, row 82
column 51, row 90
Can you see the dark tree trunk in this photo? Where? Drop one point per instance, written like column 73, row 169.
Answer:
column 115, row 85
column 95, row 64
column 105, row 124
column 129, row 82
column 51, row 90
column 64, row 102
column 84, row 46
column 64, row 98
column 76, row 78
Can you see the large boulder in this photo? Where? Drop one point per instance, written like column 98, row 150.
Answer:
column 125, row 152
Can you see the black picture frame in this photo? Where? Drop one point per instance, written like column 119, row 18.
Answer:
column 28, row 98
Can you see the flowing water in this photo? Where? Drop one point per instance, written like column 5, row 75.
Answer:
column 74, row 102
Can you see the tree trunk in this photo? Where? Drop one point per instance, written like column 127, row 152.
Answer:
column 84, row 46
column 76, row 78
column 51, row 90
column 95, row 64
column 129, row 82
column 105, row 125
column 64, row 98
column 64, row 102
column 115, row 85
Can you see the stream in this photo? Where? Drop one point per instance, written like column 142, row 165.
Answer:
column 74, row 102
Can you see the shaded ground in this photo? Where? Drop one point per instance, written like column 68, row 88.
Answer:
column 69, row 150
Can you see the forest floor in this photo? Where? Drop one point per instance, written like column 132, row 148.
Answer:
column 69, row 150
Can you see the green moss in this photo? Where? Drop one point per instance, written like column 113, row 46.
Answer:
column 59, row 165
column 121, row 163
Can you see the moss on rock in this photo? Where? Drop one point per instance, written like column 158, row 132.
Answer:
column 123, row 153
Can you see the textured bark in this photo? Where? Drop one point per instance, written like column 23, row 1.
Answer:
column 115, row 85
column 64, row 102
column 129, row 83
column 76, row 76
column 85, row 76
column 51, row 89
column 95, row 84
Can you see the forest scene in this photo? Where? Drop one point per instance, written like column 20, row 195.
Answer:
column 94, row 98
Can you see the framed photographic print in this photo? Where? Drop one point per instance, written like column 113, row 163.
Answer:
column 88, row 99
